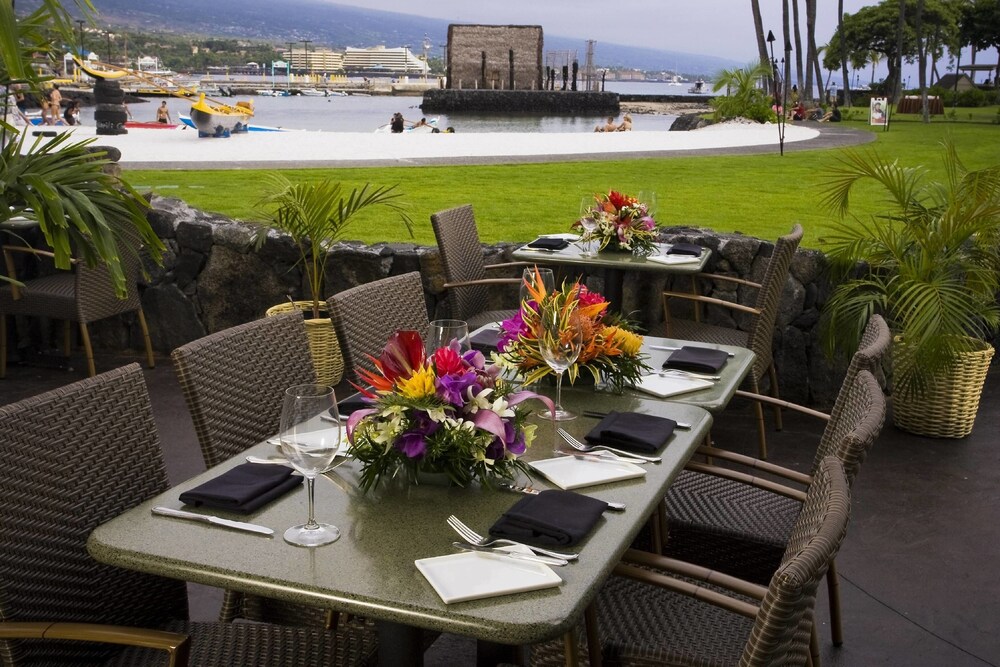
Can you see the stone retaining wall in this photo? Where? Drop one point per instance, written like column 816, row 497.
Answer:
column 212, row 279
column 519, row 101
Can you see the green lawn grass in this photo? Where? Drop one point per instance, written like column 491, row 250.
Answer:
column 759, row 195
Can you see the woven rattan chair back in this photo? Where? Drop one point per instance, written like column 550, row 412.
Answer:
column 462, row 259
column 858, row 424
column 95, row 294
column 233, row 381
column 782, row 628
column 365, row 316
column 875, row 342
column 772, row 286
column 72, row 459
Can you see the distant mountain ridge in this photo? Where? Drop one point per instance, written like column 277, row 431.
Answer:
column 337, row 26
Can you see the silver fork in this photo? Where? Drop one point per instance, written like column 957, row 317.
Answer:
column 690, row 374
column 576, row 444
column 473, row 537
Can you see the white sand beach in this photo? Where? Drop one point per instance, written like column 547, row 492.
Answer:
column 182, row 148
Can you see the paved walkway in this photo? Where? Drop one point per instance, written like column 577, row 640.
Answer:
column 918, row 566
column 183, row 149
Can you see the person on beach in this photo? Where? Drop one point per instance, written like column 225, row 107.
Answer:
column 423, row 123
column 610, row 126
column 47, row 117
column 626, row 125
column 55, row 100
column 833, row 115
column 163, row 113
column 799, row 112
column 72, row 113
column 396, row 124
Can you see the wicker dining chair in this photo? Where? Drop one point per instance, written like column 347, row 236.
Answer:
column 83, row 295
column 759, row 332
column 233, row 383
column 737, row 523
column 365, row 316
column 464, row 268
column 655, row 610
column 72, row 459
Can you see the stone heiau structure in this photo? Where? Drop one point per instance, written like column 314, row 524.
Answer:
column 495, row 57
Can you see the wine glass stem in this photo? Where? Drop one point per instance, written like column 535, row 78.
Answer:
column 310, row 493
column 559, row 392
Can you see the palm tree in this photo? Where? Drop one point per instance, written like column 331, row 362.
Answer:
column 758, row 26
column 845, row 75
column 80, row 209
column 743, row 96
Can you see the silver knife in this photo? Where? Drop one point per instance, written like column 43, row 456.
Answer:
column 532, row 491
column 207, row 518
column 516, row 555
column 611, row 457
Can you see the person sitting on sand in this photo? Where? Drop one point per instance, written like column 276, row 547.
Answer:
column 833, row 115
column 799, row 112
column 610, row 126
column 396, row 124
column 626, row 125
column 72, row 113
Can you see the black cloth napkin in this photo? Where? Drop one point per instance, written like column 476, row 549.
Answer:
column 485, row 340
column 632, row 430
column 243, row 489
column 548, row 244
column 350, row 404
column 556, row 518
column 685, row 249
column 697, row 359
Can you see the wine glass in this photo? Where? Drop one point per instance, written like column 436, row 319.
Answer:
column 443, row 333
column 310, row 445
column 536, row 277
column 559, row 341
column 589, row 224
column 648, row 197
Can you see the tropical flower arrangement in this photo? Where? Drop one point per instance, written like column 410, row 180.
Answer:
column 610, row 347
column 623, row 223
column 444, row 413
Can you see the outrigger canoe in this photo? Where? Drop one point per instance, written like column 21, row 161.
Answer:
column 186, row 120
column 220, row 120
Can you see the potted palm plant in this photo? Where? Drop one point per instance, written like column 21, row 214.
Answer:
column 315, row 215
column 931, row 267
column 60, row 184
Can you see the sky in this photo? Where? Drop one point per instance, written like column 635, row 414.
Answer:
column 721, row 28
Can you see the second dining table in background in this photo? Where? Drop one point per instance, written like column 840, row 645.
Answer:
column 613, row 264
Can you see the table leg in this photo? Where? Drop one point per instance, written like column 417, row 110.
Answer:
column 489, row 654
column 399, row 645
column 614, row 280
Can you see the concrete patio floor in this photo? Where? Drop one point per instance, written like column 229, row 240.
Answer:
column 919, row 585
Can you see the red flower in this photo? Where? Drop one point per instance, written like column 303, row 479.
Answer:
column 403, row 354
column 447, row 362
column 618, row 200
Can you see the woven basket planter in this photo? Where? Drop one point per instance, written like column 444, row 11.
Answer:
column 323, row 344
column 947, row 409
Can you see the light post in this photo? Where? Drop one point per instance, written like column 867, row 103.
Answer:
column 309, row 68
column 427, row 47
column 779, row 99
column 80, row 22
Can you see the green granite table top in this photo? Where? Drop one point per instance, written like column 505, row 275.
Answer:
column 370, row 570
column 573, row 255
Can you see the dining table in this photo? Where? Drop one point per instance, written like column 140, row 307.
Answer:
column 613, row 265
column 371, row 571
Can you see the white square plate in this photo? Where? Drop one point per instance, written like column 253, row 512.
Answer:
column 568, row 472
column 670, row 385
column 674, row 259
column 472, row 575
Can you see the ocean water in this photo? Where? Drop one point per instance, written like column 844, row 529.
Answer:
column 365, row 114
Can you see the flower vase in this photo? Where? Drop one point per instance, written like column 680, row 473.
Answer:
column 423, row 477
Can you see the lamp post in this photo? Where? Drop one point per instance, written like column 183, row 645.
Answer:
column 309, row 68
column 80, row 22
column 778, row 98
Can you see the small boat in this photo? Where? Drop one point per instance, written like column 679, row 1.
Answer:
column 220, row 120
column 150, row 125
column 336, row 93
column 699, row 88
column 312, row 92
column 250, row 127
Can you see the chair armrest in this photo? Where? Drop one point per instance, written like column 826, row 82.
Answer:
column 30, row 251
column 750, row 480
column 507, row 265
column 711, row 300
column 783, row 404
column 728, row 279
column 686, row 588
column 757, row 464
column 484, row 281
column 176, row 645
column 693, row 571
